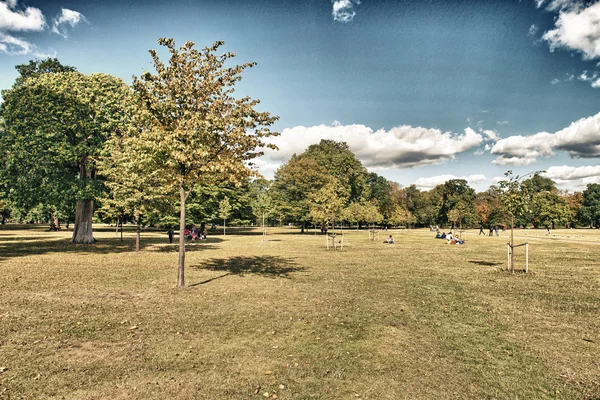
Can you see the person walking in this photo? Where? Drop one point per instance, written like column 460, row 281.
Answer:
column 170, row 233
column 481, row 232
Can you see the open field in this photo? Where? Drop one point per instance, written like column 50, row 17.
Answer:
column 417, row 320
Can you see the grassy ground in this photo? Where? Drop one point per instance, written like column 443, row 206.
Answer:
column 287, row 319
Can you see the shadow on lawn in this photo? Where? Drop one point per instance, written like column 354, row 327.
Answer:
column 485, row 263
column 20, row 246
column 268, row 266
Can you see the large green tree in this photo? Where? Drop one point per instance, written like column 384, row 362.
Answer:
column 56, row 123
column 591, row 205
column 197, row 132
column 293, row 183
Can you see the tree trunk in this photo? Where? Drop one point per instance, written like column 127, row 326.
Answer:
column 82, row 230
column 224, row 227
column 512, row 244
column 84, row 211
column 117, row 230
column 302, row 231
column 138, row 233
column 181, row 265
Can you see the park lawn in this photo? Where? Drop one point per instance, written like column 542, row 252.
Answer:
column 286, row 319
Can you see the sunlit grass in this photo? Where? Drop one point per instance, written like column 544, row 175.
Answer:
column 418, row 319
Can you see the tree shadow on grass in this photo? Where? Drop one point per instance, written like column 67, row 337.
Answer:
column 485, row 263
column 28, row 246
column 267, row 266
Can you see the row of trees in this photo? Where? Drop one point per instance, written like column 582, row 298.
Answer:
column 176, row 146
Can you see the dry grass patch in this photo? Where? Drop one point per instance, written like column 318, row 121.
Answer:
column 419, row 319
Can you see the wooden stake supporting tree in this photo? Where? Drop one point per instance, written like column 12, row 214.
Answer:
column 511, row 257
column 514, row 199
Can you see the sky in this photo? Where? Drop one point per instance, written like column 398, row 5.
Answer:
column 422, row 91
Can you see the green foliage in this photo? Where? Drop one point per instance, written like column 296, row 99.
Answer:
column 194, row 131
column 55, row 121
column 327, row 203
column 591, row 205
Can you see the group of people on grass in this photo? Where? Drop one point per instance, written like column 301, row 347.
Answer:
column 493, row 229
column 449, row 237
column 191, row 233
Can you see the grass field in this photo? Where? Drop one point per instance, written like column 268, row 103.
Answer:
column 287, row 319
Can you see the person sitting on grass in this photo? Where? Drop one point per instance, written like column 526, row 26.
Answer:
column 443, row 235
column 389, row 240
column 438, row 236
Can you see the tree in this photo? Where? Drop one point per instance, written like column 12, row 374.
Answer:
column 327, row 203
column 292, row 185
column 196, row 130
column 134, row 187
column 262, row 206
column 459, row 213
column 55, row 125
column 591, row 205
column 342, row 165
column 575, row 204
column 224, row 212
column 448, row 195
column 401, row 216
column 515, row 199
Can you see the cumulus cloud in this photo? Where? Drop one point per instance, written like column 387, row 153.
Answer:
column 502, row 122
column 30, row 19
column 581, row 139
column 343, row 10
column 15, row 46
column 567, row 173
column 433, row 181
column 576, row 28
column 400, row 147
column 13, row 19
column 67, row 17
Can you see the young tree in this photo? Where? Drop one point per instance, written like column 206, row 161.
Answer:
column 224, row 212
column 262, row 206
column 327, row 203
column 196, row 130
column 55, row 124
column 514, row 197
column 135, row 188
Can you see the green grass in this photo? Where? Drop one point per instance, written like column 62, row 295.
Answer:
column 416, row 320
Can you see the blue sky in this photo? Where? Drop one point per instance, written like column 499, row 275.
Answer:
column 422, row 91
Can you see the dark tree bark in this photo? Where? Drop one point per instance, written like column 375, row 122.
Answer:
column 138, row 233
column 82, row 230
column 181, row 264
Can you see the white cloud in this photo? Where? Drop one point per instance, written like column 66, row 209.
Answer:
column 14, row 46
column 576, row 28
column 533, row 29
column 567, row 173
column 343, row 10
column 555, row 81
column 490, row 134
column 400, row 147
column 30, row 19
column 502, row 122
column 593, row 79
column 67, row 17
column 581, row 139
column 497, row 179
column 433, row 181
